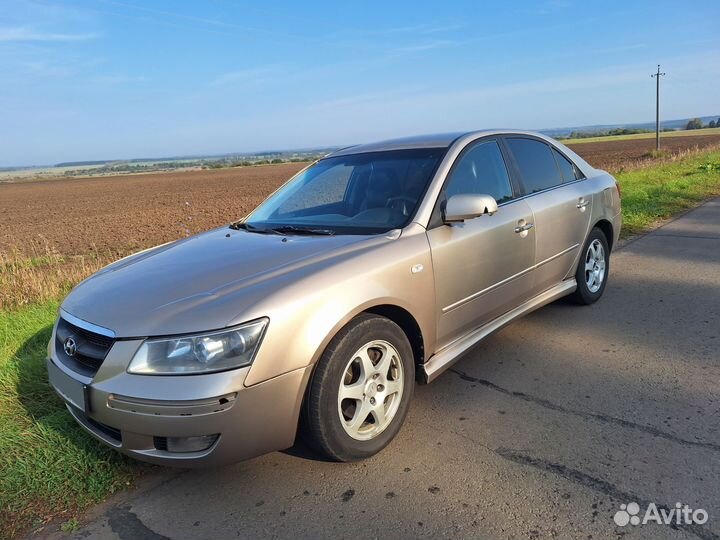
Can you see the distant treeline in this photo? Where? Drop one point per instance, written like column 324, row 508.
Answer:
column 135, row 167
column 224, row 163
column 697, row 123
column 81, row 163
column 694, row 123
column 609, row 132
column 129, row 167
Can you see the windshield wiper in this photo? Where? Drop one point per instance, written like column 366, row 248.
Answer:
column 239, row 225
column 281, row 229
column 296, row 229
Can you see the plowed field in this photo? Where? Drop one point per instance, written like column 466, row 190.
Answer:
column 120, row 214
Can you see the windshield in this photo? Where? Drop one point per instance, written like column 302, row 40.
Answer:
column 365, row 193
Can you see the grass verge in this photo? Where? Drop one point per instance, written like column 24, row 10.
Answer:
column 655, row 193
column 43, row 276
column 50, row 468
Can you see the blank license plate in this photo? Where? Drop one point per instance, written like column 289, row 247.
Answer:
column 69, row 389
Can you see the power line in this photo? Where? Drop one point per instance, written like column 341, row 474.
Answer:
column 657, row 107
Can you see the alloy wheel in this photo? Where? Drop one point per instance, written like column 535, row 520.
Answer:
column 595, row 266
column 371, row 390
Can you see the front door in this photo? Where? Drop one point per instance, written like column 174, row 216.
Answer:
column 483, row 267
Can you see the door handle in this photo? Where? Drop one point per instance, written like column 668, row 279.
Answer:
column 582, row 203
column 523, row 228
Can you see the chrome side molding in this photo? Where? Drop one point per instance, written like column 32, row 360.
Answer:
column 450, row 354
column 474, row 295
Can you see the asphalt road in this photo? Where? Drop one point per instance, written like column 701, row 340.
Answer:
column 542, row 431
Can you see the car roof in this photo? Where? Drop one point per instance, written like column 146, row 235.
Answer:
column 446, row 140
column 434, row 140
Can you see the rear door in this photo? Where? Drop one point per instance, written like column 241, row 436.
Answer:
column 561, row 203
column 482, row 267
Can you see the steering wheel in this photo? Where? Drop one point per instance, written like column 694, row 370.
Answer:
column 396, row 203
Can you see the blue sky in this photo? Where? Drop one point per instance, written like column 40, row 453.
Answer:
column 106, row 79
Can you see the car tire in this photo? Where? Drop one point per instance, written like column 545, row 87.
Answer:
column 593, row 269
column 360, row 391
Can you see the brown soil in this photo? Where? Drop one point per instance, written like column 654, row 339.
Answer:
column 614, row 155
column 121, row 214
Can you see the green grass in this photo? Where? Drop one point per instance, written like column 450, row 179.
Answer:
column 71, row 525
column 663, row 135
column 49, row 467
column 655, row 193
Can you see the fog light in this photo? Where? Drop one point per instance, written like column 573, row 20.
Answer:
column 186, row 444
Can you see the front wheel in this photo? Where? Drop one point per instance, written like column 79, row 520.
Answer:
column 593, row 268
column 360, row 392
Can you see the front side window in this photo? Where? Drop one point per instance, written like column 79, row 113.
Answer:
column 538, row 169
column 363, row 193
column 480, row 171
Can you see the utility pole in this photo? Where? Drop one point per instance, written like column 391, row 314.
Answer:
column 657, row 107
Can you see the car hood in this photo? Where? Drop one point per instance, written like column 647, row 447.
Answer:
column 196, row 284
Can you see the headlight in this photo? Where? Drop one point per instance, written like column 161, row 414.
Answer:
column 202, row 353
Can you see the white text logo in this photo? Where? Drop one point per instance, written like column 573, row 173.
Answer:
column 682, row 514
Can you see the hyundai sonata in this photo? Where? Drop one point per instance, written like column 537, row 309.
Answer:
column 373, row 268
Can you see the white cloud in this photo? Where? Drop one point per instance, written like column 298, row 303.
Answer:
column 118, row 79
column 247, row 77
column 28, row 34
column 582, row 98
column 424, row 28
column 421, row 47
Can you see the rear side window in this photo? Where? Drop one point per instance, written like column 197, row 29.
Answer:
column 536, row 163
column 481, row 171
column 569, row 173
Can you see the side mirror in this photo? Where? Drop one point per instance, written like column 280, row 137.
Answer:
column 458, row 208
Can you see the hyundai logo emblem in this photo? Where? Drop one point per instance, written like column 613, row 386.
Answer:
column 70, row 346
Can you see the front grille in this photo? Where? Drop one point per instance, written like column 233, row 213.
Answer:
column 92, row 348
column 160, row 443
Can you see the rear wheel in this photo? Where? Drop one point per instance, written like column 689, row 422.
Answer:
column 593, row 268
column 360, row 392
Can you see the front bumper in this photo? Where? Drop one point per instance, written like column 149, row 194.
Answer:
column 135, row 413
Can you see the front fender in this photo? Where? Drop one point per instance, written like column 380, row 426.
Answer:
column 307, row 313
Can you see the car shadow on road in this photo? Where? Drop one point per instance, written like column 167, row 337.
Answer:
column 303, row 451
